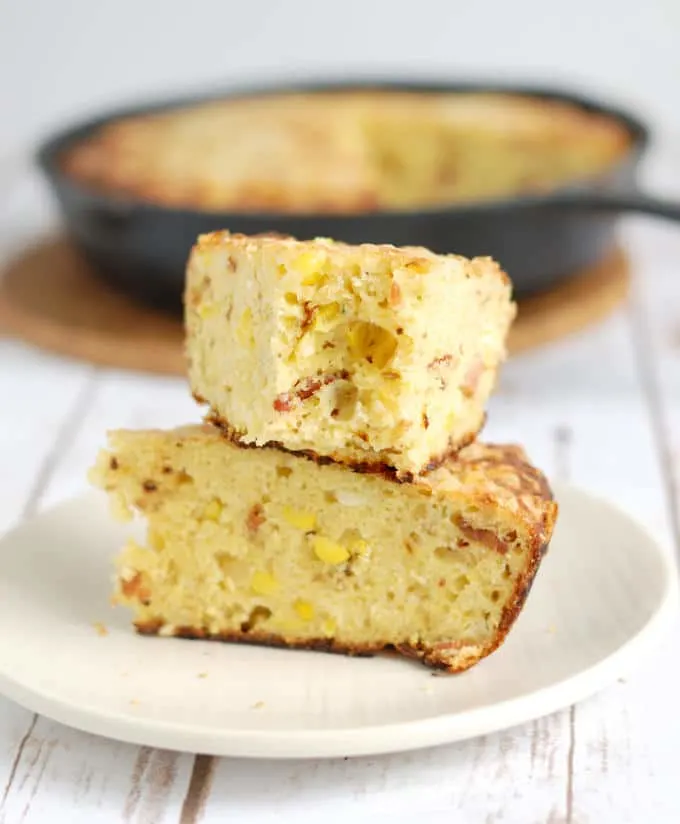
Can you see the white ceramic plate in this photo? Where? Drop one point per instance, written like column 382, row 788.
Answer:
column 604, row 595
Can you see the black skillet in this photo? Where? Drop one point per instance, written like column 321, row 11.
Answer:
column 142, row 248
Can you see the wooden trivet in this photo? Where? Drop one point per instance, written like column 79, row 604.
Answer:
column 50, row 297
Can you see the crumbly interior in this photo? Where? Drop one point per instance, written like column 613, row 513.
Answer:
column 348, row 151
column 364, row 354
column 259, row 544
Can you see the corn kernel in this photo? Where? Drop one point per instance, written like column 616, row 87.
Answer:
column 263, row 583
column 311, row 265
column 244, row 330
column 329, row 551
column 347, row 498
column 208, row 310
column 418, row 265
column 304, row 609
column 372, row 342
column 299, row 518
column 326, row 313
column 328, row 627
column 213, row 510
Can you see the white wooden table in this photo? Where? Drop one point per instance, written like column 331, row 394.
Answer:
column 601, row 409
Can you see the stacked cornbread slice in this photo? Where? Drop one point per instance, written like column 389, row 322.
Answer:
column 366, row 355
column 337, row 500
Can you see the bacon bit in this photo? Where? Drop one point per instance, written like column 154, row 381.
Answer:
column 195, row 295
column 307, row 315
column 443, row 362
column 472, row 377
column 395, row 294
column 284, row 402
column 129, row 588
column 113, row 463
column 255, row 518
column 149, row 486
column 194, row 298
column 426, row 421
column 303, row 389
column 231, row 264
column 461, row 543
column 441, row 582
column 134, row 588
column 485, row 536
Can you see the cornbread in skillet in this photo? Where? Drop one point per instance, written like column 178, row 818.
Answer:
column 261, row 546
column 352, row 151
column 367, row 354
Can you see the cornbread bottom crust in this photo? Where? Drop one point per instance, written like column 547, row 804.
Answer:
column 376, row 466
column 457, row 658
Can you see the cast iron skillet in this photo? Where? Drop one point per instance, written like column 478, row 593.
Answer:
column 142, row 248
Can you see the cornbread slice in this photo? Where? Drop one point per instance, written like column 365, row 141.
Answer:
column 262, row 546
column 366, row 354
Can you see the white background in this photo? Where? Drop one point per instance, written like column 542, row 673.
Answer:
column 60, row 58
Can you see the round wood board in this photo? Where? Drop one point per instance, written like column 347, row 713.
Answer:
column 50, row 297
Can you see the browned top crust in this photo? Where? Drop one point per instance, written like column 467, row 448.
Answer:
column 347, row 152
column 414, row 259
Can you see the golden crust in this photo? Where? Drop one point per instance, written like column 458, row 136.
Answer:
column 338, row 152
column 409, row 258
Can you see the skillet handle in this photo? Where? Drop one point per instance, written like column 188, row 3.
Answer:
column 621, row 202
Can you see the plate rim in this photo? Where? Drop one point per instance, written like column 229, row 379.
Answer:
column 374, row 739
